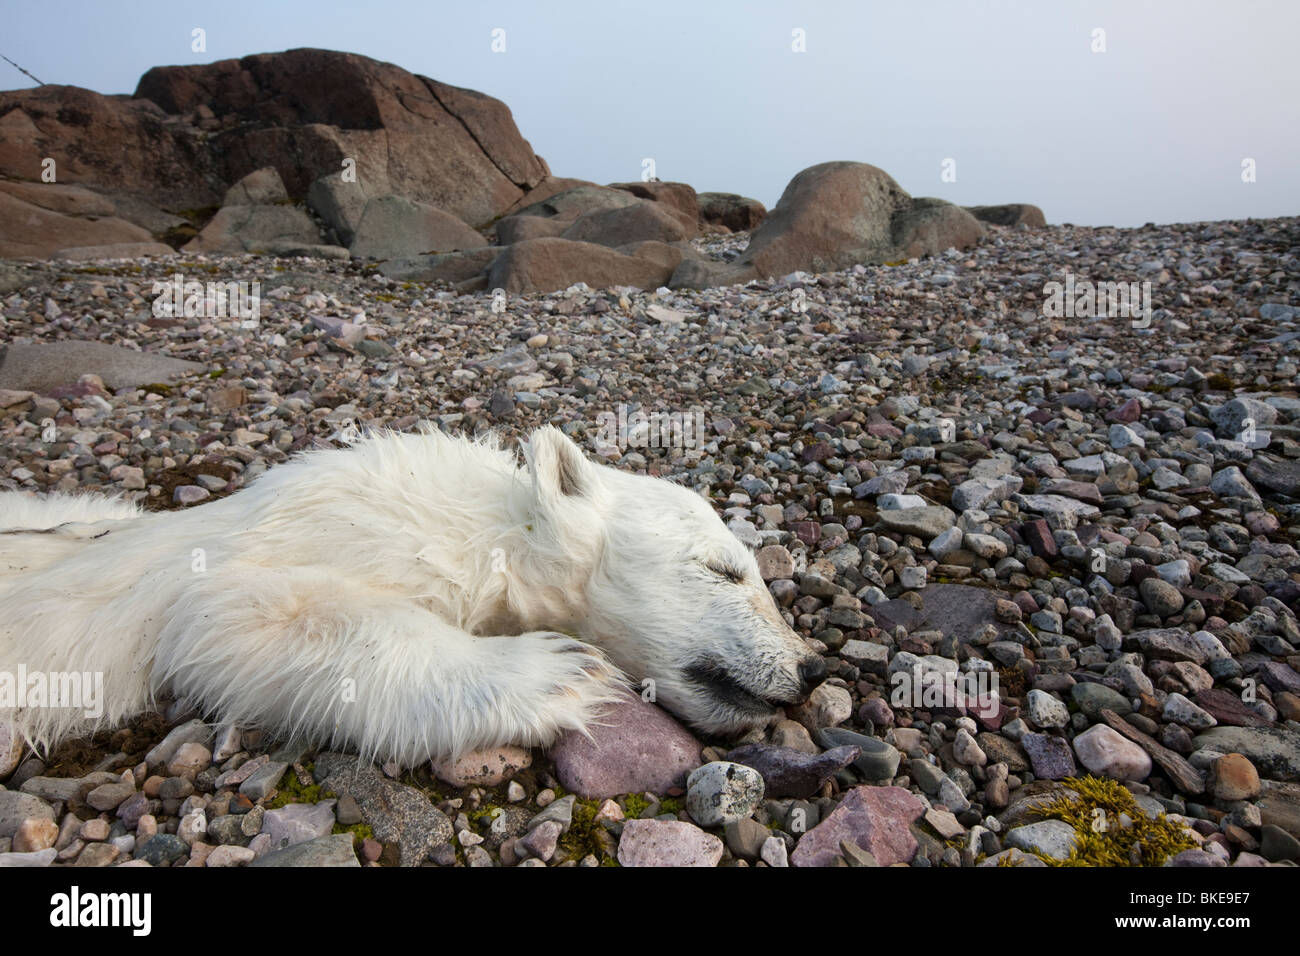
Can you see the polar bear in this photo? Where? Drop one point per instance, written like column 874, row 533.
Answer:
column 414, row 596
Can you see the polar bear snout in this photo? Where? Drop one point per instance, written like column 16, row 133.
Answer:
column 812, row 672
column 733, row 695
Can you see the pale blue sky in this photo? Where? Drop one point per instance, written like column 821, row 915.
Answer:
column 1153, row 129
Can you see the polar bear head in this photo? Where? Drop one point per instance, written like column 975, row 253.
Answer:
column 669, row 593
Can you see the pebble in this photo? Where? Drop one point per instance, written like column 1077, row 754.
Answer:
column 723, row 791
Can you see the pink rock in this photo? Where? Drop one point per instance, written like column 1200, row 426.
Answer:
column 878, row 711
column 663, row 843
column 1261, row 522
column 874, row 818
column 488, row 767
column 634, row 748
column 1105, row 752
column 1129, row 412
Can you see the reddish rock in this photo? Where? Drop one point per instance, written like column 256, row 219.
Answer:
column 731, row 211
column 546, row 265
column 1050, row 756
column 635, row 747
column 836, row 215
column 877, row 819
column 636, row 223
column 664, row 843
column 1038, row 536
column 679, row 198
column 1010, row 214
column 1228, row 709
column 1233, row 777
column 301, row 112
column 1129, row 412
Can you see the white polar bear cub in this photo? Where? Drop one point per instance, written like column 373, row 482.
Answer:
column 414, row 597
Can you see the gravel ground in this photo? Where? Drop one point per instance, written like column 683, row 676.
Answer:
column 937, row 477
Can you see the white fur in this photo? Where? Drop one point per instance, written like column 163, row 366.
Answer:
column 414, row 596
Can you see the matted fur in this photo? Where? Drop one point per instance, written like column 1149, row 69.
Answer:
column 413, row 596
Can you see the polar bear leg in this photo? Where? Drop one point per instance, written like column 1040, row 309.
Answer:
column 307, row 652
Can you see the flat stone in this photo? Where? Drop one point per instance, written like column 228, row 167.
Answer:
column 664, row 843
column 1274, row 751
column 1184, row 776
column 1050, row 756
column 1051, row 838
column 298, row 823
column 396, row 813
column 924, row 522
column 790, row 773
column 47, row 365
column 333, row 850
column 635, row 748
column 875, row 819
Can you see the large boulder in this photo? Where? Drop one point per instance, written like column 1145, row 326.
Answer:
column 256, row 216
column 447, row 266
column 680, row 198
column 514, row 229
column 31, row 229
column 237, row 229
column 548, row 187
column 731, row 211
column 304, row 111
column 393, row 226
column 567, row 206
column 836, row 215
column 115, row 143
column 637, row 223
column 1010, row 214
column 634, row 747
column 172, row 151
column 546, row 265
column 706, row 273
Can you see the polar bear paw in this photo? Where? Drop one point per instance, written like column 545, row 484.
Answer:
column 572, row 680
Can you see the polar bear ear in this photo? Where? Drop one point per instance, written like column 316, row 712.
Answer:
column 558, row 466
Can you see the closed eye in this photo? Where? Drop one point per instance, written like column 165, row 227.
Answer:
column 728, row 572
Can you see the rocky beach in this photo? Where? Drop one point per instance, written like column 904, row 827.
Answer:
column 1087, row 511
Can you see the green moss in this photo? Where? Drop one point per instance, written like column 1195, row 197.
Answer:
column 634, row 804
column 1219, row 382
column 582, row 838
column 359, row 831
column 671, row 805
column 291, row 790
column 1094, row 815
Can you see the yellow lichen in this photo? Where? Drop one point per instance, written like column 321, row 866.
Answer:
column 1094, row 813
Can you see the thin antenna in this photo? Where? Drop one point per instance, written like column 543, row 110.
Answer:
column 20, row 69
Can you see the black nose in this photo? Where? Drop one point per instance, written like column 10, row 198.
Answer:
column 812, row 672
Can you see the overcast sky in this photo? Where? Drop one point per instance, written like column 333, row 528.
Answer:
column 1155, row 128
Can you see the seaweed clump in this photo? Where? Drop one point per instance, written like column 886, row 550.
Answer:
column 1111, row 829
